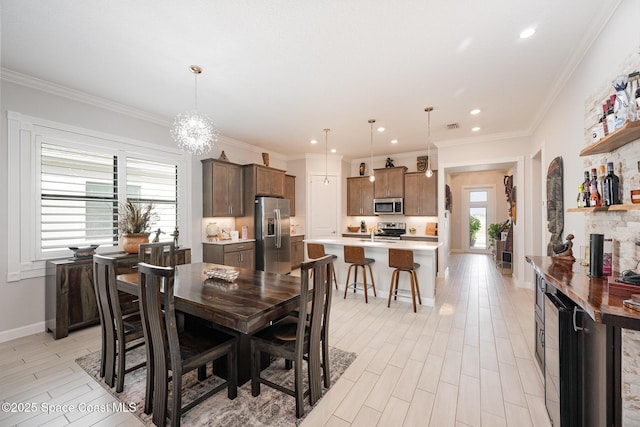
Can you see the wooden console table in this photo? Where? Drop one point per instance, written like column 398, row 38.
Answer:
column 70, row 301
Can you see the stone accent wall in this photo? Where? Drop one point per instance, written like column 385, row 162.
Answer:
column 622, row 226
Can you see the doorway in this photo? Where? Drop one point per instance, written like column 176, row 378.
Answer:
column 478, row 213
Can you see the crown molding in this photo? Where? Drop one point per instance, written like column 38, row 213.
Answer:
column 79, row 96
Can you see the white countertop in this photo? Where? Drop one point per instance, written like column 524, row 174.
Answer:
column 415, row 245
column 229, row 242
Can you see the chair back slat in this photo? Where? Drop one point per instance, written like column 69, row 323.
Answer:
column 104, row 269
column 321, row 299
column 401, row 258
column 162, row 254
column 354, row 254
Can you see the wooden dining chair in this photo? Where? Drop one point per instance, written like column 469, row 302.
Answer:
column 402, row 260
column 120, row 333
column 300, row 338
column 162, row 254
column 315, row 251
column 177, row 352
column 354, row 255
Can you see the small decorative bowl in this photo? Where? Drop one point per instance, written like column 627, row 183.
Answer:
column 84, row 252
column 228, row 275
column 353, row 229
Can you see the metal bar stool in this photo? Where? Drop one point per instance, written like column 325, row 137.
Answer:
column 315, row 251
column 402, row 260
column 354, row 255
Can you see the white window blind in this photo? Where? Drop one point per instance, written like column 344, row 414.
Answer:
column 155, row 182
column 78, row 198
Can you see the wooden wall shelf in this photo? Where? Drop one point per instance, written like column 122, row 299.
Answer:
column 629, row 132
column 625, row 207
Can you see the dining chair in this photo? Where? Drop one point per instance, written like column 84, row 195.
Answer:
column 162, row 254
column 402, row 260
column 300, row 338
column 315, row 251
column 354, row 255
column 178, row 352
column 120, row 333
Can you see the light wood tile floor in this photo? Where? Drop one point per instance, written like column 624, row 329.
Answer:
column 468, row 361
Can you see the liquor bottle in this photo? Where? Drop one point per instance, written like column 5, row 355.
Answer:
column 601, row 174
column 579, row 201
column 611, row 117
column 594, row 198
column 586, row 185
column 611, row 187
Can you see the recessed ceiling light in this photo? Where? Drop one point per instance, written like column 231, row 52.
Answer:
column 380, row 129
column 314, row 141
column 475, row 129
column 394, row 141
column 333, row 150
column 474, row 111
column 527, row 33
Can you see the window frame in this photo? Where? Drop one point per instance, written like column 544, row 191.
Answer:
column 25, row 134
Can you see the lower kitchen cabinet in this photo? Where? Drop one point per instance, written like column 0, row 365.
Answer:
column 297, row 251
column 70, row 299
column 240, row 255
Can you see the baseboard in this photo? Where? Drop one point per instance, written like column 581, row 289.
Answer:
column 22, row 331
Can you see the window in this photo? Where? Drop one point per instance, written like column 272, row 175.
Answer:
column 67, row 183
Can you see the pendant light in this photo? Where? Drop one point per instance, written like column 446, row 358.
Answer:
column 429, row 172
column 192, row 131
column 326, row 156
column 372, row 177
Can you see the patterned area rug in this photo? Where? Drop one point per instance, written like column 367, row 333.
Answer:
column 270, row 408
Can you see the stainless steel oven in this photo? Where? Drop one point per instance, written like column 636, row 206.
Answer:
column 388, row 206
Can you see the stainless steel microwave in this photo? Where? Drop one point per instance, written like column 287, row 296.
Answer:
column 388, row 206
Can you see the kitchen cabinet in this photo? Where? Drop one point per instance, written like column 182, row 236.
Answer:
column 297, row 251
column 389, row 182
column 264, row 181
column 240, row 255
column 421, row 194
column 359, row 196
column 539, row 290
column 290, row 193
column 70, row 299
column 221, row 189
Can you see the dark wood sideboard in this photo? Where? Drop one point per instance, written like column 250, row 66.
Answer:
column 70, row 301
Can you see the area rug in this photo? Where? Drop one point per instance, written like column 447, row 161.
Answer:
column 270, row 408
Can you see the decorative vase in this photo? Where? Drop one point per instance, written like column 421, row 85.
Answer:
column 131, row 242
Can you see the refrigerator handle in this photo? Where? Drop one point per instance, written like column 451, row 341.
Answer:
column 278, row 229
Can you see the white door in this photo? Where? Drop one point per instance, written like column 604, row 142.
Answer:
column 323, row 212
column 478, row 213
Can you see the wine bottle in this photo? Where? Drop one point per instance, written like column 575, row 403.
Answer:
column 601, row 174
column 594, row 198
column 579, row 201
column 611, row 117
column 611, row 187
column 603, row 120
column 586, row 185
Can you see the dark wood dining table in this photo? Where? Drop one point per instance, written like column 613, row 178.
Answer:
column 246, row 305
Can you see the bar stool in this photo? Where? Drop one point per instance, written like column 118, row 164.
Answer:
column 354, row 255
column 402, row 260
column 315, row 251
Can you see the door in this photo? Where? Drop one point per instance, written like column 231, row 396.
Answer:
column 478, row 213
column 323, row 212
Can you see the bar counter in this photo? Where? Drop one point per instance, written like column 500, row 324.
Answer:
column 591, row 294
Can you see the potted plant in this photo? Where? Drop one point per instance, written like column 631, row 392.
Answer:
column 134, row 224
column 474, row 227
column 495, row 231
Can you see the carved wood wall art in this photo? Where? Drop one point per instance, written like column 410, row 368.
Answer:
column 555, row 204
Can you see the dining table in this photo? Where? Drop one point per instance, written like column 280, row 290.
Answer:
column 244, row 306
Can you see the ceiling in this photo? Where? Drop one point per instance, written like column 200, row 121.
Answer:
column 277, row 72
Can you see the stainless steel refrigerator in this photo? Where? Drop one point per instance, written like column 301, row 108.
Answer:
column 273, row 241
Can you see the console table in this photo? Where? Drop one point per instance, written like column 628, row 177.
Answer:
column 70, row 300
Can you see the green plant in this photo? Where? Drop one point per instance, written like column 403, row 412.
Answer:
column 135, row 218
column 494, row 231
column 474, row 227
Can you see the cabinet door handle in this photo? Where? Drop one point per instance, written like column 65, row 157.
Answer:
column 575, row 315
column 241, row 257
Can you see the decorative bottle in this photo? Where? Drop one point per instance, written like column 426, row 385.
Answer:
column 601, row 174
column 580, row 195
column 611, row 187
column 586, row 185
column 594, row 197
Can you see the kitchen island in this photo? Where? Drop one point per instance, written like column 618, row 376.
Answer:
column 424, row 253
